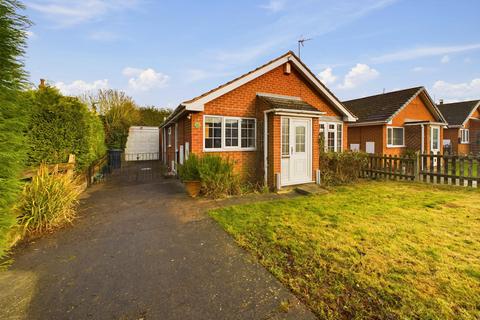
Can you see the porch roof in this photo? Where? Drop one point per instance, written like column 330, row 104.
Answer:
column 287, row 103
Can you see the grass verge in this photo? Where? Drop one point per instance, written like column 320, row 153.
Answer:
column 376, row 250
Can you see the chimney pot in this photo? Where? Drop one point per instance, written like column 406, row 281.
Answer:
column 42, row 83
column 441, row 101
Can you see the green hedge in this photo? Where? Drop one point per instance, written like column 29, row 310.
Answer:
column 12, row 156
column 60, row 126
column 338, row 168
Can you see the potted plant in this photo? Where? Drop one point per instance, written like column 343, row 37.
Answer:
column 190, row 176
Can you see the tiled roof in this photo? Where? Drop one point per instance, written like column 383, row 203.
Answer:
column 382, row 106
column 284, row 102
column 456, row 113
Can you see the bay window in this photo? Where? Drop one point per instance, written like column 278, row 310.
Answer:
column 229, row 133
column 395, row 137
column 332, row 135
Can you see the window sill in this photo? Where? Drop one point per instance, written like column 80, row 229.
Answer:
column 394, row 146
column 230, row 150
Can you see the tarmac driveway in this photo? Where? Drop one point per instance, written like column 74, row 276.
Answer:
column 141, row 251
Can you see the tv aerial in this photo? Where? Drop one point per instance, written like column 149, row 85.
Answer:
column 301, row 43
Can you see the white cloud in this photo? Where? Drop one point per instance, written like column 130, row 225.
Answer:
column 31, row 34
column 79, row 87
column 422, row 52
column 145, row 79
column 358, row 75
column 274, row 5
column 327, row 76
column 445, row 59
column 457, row 91
column 418, row 69
column 68, row 13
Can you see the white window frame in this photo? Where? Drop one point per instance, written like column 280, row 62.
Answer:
column 224, row 148
column 337, row 148
column 464, row 136
column 224, row 131
column 389, row 145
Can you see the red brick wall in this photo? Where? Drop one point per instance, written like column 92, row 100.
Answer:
column 243, row 102
column 360, row 135
column 415, row 110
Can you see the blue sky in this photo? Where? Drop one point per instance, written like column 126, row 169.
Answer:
column 164, row 52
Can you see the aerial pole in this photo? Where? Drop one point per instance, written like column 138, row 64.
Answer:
column 301, row 42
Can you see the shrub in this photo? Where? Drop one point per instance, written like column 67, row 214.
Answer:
column 341, row 167
column 189, row 170
column 60, row 126
column 48, row 201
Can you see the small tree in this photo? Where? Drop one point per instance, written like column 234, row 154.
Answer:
column 118, row 112
column 153, row 117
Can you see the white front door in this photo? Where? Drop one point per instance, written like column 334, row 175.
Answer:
column 296, row 151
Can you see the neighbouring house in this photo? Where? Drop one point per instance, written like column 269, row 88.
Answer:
column 267, row 121
column 462, row 136
column 396, row 122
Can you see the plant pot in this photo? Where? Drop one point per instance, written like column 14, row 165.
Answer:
column 193, row 188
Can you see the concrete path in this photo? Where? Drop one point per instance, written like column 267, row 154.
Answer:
column 141, row 251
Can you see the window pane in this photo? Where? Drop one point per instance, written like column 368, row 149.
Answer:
column 248, row 133
column 300, row 139
column 285, row 137
column 398, row 136
column 339, row 138
column 231, row 133
column 213, row 132
column 389, row 136
column 435, row 133
column 331, row 141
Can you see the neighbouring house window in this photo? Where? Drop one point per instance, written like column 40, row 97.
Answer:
column 464, row 136
column 231, row 132
column 435, row 138
column 395, row 137
column 300, row 139
column 248, row 133
column 213, row 132
column 285, row 137
column 332, row 136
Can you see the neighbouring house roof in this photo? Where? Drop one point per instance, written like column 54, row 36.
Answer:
column 198, row 103
column 381, row 108
column 458, row 113
column 286, row 102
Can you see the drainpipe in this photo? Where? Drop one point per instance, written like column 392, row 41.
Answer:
column 423, row 139
column 265, row 145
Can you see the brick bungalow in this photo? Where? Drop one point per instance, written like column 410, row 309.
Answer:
column 462, row 136
column 395, row 122
column 230, row 121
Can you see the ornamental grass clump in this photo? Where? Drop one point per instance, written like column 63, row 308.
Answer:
column 217, row 177
column 48, row 201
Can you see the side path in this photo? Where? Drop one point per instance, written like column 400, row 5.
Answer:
column 141, row 251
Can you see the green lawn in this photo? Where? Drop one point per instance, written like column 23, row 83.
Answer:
column 375, row 250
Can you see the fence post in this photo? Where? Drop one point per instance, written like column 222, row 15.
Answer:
column 416, row 166
column 71, row 160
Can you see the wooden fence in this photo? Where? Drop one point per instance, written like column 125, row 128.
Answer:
column 91, row 173
column 431, row 168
